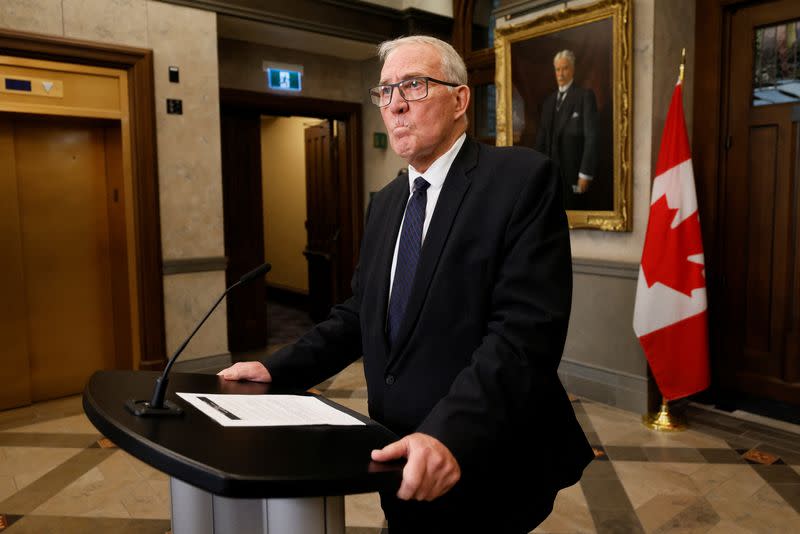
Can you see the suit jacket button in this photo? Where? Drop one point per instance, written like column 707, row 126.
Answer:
column 390, row 380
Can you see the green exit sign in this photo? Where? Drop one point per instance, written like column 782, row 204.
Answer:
column 379, row 140
column 284, row 79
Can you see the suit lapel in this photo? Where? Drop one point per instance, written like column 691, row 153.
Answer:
column 455, row 187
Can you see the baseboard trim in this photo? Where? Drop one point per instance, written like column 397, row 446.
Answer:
column 609, row 386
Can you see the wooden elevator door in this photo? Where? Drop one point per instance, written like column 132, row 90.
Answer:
column 56, row 233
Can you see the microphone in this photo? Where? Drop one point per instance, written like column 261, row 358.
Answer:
column 157, row 406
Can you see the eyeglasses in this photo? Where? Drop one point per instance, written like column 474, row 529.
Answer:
column 410, row 90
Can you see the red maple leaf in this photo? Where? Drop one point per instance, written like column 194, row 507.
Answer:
column 666, row 250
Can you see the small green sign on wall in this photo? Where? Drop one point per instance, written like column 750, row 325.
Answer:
column 379, row 140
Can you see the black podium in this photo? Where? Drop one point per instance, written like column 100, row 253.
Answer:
column 271, row 480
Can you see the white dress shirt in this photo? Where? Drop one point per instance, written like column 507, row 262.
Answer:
column 435, row 176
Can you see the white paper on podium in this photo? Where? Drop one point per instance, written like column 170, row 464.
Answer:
column 268, row 410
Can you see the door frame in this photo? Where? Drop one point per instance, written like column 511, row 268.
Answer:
column 138, row 64
column 710, row 137
column 255, row 104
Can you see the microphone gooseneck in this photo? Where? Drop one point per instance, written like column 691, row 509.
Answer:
column 157, row 405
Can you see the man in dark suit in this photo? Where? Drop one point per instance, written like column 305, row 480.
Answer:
column 568, row 132
column 460, row 308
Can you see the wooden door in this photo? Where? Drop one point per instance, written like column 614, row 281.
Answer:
column 322, row 228
column 57, row 234
column 759, row 318
column 244, row 228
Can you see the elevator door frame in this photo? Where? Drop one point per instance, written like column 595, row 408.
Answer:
column 139, row 127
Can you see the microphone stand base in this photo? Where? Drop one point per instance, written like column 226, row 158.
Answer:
column 142, row 408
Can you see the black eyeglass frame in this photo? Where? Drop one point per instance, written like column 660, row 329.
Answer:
column 396, row 85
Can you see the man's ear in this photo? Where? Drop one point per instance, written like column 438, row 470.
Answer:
column 462, row 95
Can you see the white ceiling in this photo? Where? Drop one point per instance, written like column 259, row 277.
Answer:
column 282, row 37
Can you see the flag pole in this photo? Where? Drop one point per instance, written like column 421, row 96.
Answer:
column 664, row 420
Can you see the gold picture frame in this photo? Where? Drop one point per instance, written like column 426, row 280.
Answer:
column 600, row 38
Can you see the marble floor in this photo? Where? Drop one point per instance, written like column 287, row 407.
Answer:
column 724, row 475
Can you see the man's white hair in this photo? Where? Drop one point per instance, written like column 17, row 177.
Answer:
column 565, row 54
column 453, row 67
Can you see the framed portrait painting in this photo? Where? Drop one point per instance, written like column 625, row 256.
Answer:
column 564, row 88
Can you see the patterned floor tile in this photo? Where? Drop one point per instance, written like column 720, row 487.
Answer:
column 764, row 511
column 31, row 524
column 570, row 513
column 75, row 424
column 115, row 487
column 667, row 513
column 644, row 481
column 24, row 465
column 699, row 517
column 711, row 476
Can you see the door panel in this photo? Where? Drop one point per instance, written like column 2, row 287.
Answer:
column 15, row 386
column 61, row 287
column 322, row 251
column 65, row 241
column 758, row 322
column 244, row 228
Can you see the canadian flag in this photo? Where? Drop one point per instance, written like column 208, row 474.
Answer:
column 669, row 316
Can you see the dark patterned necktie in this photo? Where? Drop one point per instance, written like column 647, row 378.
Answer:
column 560, row 99
column 407, row 255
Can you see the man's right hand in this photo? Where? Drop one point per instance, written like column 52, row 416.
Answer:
column 254, row 371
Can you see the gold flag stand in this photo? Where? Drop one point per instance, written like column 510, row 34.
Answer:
column 664, row 420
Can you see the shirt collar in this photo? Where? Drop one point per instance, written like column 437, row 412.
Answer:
column 564, row 88
column 438, row 170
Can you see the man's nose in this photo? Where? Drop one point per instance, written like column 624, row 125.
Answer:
column 398, row 103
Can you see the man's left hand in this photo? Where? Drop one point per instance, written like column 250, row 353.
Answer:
column 430, row 471
column 583, row 185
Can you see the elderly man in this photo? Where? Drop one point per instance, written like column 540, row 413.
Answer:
column 460, row 308
column 568, row 132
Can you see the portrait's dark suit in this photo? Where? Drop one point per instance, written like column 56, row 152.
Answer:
column 474, row 363
column 568, row 134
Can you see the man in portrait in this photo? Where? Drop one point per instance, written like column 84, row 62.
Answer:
column 568, row 132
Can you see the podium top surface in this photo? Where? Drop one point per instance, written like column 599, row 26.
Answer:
column 252, row 462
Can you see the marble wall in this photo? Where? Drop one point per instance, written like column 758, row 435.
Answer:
column 189, row 161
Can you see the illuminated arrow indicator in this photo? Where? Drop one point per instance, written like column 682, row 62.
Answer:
column 47, row 86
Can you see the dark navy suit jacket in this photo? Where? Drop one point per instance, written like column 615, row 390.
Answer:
column 475, row 359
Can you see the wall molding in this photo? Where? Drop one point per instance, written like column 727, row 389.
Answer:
column 606, row 268
column 194, row 265
column 348, row 19
column 609, row 386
